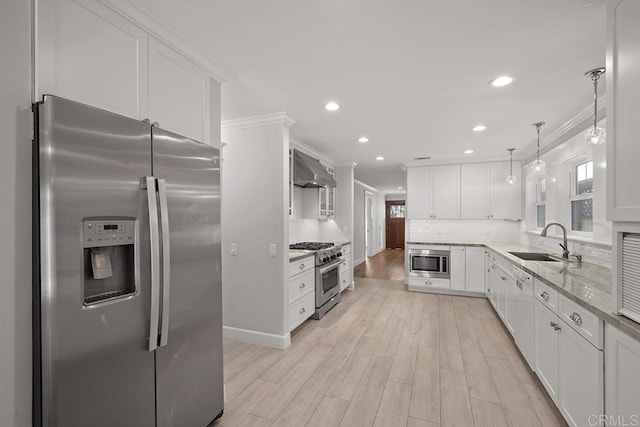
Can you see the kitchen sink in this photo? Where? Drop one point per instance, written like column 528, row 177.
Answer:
column 533, row 256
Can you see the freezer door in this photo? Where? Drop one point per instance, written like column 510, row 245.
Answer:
column 93, row 366
column 189, row 361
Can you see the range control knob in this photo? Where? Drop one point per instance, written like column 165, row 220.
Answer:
column 339, row 254
column 333, row 257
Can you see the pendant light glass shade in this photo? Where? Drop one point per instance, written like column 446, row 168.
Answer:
column 595, row 135
column 538, row 165
column 511, row 179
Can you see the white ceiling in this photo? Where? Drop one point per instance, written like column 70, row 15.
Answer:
column 412, row 75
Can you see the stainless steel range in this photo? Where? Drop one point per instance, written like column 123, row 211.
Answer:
column 327, row 262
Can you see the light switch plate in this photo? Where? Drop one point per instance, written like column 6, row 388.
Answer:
column 272, row 249
column 234, row 249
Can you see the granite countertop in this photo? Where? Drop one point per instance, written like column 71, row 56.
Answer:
column 586, row 284
column 297, row 254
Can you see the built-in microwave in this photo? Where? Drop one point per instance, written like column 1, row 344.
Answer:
column 429, row 263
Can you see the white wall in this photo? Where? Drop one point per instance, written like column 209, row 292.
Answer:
column 255, row 195
column 344, row 200
column 15, row 214
column 596, row 246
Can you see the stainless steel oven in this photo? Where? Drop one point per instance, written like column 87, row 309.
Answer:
column 429, row 263
column 327, row 284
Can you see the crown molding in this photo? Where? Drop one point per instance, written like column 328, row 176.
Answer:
column 305, row 148
column 366, row 186
column 152, row 24
column 576, row 124
column 256, row 121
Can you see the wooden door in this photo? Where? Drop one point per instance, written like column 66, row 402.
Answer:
column 395, row 214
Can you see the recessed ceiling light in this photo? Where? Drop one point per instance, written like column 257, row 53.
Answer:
column 332, row 106
column 379, row 158
column 479, row 128
column 363, row 139
column 399, row 188
column 502, row 81
column 469, row 151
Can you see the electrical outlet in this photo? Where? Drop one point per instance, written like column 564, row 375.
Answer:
column 272, row 249
column 234, row 249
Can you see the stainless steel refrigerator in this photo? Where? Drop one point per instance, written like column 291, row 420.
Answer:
column 127, row 275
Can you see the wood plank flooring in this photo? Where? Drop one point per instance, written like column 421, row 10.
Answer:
column 387, row 264
column 388, row 357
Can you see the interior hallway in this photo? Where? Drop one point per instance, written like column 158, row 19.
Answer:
column 388, row 357
column 387, row 265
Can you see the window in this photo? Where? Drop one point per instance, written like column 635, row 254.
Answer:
column 397, row 211
column 582, row 199
column 541, row 202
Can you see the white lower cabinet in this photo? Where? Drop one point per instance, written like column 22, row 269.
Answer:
column 546, row 356
column 569, row 367
column 346, row 268
column 301, row 291
column 474, row 269
column 499, row 281
column 457, row 261
column 622, row 377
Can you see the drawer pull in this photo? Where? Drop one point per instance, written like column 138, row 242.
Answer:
column 302, row 285
column 503, row 278
column 555, row 326
column 302, row 310
column 545, row 296
column 576, row 318
column 518, row 284
column 428, row 282
column 301, row 266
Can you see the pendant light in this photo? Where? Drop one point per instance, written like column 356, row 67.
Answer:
column 595, row 135
column 511, row 179
column 538, row 165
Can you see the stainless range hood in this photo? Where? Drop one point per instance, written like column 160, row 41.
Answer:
column 309, row 172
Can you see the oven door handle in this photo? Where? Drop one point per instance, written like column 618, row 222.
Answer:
column 323, row 269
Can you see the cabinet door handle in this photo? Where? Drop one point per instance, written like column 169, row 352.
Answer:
column 545, row 296
column 576, row 318
column 503, row 278
column 518, row 284
column 301, row 266
column 302, row 285
column 555, row 326
column 302, row 310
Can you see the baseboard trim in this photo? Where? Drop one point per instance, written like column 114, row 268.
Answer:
column 429, row 290
column 281, row 342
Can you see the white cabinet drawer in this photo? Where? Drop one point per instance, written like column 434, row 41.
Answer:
column 346, row 263
column 582, row 321
column 546, row 295
column 424, row 284
column 301, row 284
column 301, row 310
column 301, row 265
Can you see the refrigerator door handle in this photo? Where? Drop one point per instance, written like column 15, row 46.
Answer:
column 149, row 184
column 166, row 262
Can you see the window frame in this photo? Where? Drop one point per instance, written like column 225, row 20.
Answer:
column 539, row 201
column 574, row 196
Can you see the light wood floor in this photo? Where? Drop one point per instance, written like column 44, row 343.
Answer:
column 387, row 264
column 388, row 357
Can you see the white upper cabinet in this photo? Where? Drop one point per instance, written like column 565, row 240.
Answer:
column 623, row 104
column 433, row 192
column 485, row 193
column 179, row 93
column 419, row 200
column 88, row 53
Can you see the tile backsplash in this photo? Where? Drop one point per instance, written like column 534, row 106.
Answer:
column 313, row 230
column 599, row 254
column 472, row 231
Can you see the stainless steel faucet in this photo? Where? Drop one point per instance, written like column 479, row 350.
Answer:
column 563, row 245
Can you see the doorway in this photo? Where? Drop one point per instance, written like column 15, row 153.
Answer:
column 368, row 224
column 394, row 218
